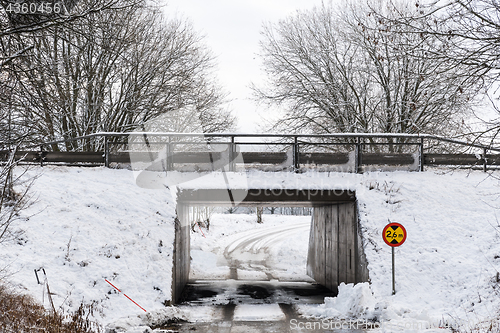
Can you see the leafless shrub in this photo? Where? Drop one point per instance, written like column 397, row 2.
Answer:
column 21, row 314
column 11, row 202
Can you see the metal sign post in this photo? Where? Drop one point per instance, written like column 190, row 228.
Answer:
column 393, row 273
column 394, row 235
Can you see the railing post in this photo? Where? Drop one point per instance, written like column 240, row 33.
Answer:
column 168, row 157
column 106, row 151
column 357, row 155
column 421, row 154
column 485, row 161
column 41, row 155
column 231, row 155
column 296, row 152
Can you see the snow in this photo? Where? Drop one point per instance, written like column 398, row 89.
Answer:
column 258, row 312
column 281, row 241
column 91, row 224
column 353, row 302
column 208, row 265
column 447, row 268
column 86, row 225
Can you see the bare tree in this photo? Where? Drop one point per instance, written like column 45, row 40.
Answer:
column 200, row 217
column 17, row 30
column 38, row 16
column 12, row 200
column 260, row 211
column 468, row 29
column 114, row 70
column 312, row 75
column 341, row 70
column 464, row 33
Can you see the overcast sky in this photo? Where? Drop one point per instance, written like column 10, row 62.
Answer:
column 232, row 31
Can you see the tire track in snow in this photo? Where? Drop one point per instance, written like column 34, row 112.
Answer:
column 251, row 251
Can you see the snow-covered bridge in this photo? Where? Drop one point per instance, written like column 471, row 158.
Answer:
column 218, row 169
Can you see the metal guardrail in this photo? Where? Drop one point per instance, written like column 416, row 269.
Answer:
column 295, row 157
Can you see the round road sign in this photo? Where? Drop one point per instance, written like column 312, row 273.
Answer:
column 394, row 234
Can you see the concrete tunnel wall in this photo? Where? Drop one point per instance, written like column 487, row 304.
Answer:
column 182, row 252
column 335, row 251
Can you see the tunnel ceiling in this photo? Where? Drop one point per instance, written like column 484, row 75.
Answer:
column 264, row 197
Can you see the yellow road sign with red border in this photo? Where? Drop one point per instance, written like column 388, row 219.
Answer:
column 394, row 234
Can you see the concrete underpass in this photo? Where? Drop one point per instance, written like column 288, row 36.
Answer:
column 334, row 255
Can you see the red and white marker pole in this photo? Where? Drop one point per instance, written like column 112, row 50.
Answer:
column 125, row 295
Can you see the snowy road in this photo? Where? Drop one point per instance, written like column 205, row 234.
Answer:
column 252, row 250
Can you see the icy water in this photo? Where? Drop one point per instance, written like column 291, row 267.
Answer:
column 253, row 306
column 254, row 327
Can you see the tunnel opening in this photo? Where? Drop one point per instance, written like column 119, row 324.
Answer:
column 334, row 251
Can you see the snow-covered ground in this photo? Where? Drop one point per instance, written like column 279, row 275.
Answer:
column 280, row 243
column 91, row 224
column 86, row 225
column 447, row 270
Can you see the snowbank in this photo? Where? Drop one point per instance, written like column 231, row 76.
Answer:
column 91, row 224
column 353, row 301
